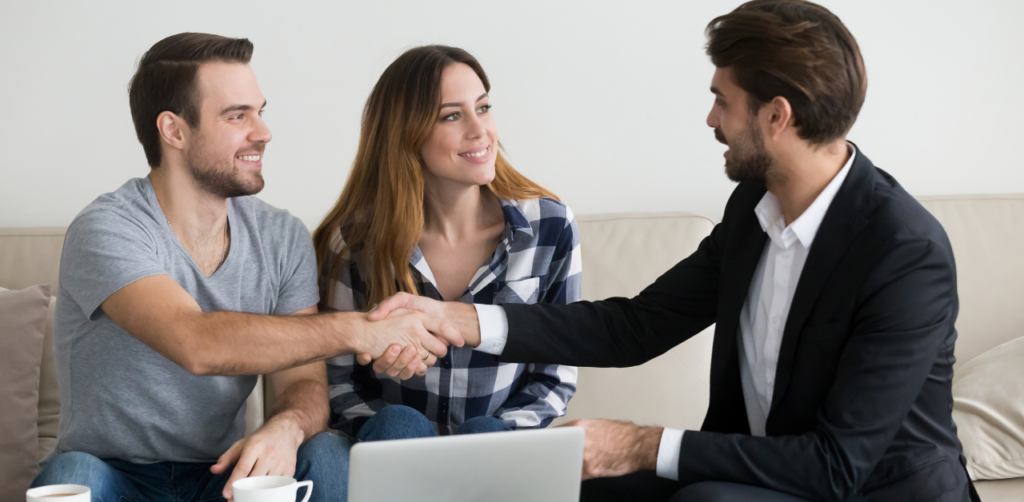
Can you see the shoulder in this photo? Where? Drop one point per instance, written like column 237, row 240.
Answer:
column 272, row 222
column 544, row 208
column 899, row 218
column 124, row 210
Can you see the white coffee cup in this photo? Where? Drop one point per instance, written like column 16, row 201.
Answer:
column 268, row 489
column 59, row 493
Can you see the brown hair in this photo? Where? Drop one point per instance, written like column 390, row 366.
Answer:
column 797, row 50
column 165, row 80
column 380, row 210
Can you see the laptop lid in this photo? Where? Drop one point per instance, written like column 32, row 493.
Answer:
column 538, row 465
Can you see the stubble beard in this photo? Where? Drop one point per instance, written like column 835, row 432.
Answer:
column 749, row 160
column 220, row 177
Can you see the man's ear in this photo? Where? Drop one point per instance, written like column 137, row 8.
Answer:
column 780, row 116
column 172, row 128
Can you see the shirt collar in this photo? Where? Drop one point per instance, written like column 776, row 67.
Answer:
column 804, row 228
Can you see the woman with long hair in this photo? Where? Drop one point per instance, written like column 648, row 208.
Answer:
column 432, row 207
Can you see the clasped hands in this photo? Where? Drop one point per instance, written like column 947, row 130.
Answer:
column 408, row 334
column 612, row 447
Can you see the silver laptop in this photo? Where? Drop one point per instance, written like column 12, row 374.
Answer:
column 536, row 465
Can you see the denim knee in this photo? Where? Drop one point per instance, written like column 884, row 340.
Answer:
column 77, row 468
column 478, row 425
column 396, row 422
column 324, row 461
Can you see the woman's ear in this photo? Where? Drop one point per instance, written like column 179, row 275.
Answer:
column 171, row 130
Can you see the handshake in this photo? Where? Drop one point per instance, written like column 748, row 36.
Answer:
column 406, row 334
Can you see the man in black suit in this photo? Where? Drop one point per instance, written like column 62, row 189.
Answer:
column 833, row 291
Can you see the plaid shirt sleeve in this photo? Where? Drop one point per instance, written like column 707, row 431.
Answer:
column 548, row 387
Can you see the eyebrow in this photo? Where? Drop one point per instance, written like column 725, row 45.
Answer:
column 717, row 92
column 446, row 105
column 241, row 108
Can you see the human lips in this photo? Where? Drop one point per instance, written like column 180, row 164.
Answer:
column 477, row 152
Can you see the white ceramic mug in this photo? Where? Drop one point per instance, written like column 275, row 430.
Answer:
column 59, row 493
column 268, row 489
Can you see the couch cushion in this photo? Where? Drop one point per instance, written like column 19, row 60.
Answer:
column 987, row 233
column 49, row 392
column 21, row 338
column 623, row 253
column 988, row 412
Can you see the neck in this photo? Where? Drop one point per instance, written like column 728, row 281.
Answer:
column 195, row 215
column 801, row 174
column 456, row 212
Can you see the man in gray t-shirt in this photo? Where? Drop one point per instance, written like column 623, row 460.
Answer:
column 178, row 289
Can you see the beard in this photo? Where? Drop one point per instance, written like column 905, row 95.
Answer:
column 220, row 177
column 749, row 159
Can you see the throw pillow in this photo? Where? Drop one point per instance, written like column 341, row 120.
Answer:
column 21, row 349
column 988, row 408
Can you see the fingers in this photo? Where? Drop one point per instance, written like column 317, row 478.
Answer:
column 228, row 459
column 397, row 301
column 444, row 331
column 244, row 466
column 432, row 344
column 364, row 359
column 388, row 359
column 407, row 358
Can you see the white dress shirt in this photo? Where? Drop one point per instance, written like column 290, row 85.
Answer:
column 762, row 319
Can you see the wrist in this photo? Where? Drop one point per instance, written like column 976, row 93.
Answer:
column 287, row 425
column 648, row 443
column 349, row 332
column 464, row 317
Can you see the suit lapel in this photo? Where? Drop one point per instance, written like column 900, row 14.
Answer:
column 843, row 221
column 746, row 244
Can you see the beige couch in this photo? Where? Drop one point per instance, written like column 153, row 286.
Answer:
column 624, row 252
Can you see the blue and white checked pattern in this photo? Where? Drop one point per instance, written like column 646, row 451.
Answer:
column 537, row 261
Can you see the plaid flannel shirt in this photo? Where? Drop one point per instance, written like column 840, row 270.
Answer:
column 537, row 260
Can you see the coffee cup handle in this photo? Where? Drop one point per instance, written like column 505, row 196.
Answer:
column 309, row 489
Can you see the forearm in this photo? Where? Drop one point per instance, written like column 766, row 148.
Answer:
column 302, row 409
column 236, row 343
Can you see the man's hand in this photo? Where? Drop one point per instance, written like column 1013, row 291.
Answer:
column 616, row 448
column 423, row 336
column 461, row 316
column 270, row 451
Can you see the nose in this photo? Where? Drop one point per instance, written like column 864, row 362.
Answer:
column 260, row 132
column 475, row 127
column 712, row 119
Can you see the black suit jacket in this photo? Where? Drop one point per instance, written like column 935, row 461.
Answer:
column 862, row 398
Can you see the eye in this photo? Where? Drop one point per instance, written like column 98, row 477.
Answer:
column 483, row 109
column 452, row 117
column 261, row 113
column 237, row 117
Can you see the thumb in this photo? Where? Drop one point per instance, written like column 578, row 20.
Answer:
column 228, row 459
column 395, row 302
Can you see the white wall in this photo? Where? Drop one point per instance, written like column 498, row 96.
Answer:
column 602, row 102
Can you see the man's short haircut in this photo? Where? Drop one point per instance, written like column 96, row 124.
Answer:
column 797, row 50
column 166, row 80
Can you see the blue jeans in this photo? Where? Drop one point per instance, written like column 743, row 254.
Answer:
column 402, row 422
column 323, row 459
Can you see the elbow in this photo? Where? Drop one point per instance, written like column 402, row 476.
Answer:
column 196, row 356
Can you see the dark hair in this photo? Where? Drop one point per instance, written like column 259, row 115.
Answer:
column 797, row 50
column 166, row 81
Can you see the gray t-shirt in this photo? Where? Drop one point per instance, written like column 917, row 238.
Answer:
column 121, row 399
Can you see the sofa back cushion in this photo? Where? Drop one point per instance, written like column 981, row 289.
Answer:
column 987, row 234
column 21, row 338
column 622, row 254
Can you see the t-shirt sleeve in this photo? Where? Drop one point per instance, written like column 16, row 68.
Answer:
column 105, row 251
column 298, row 272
